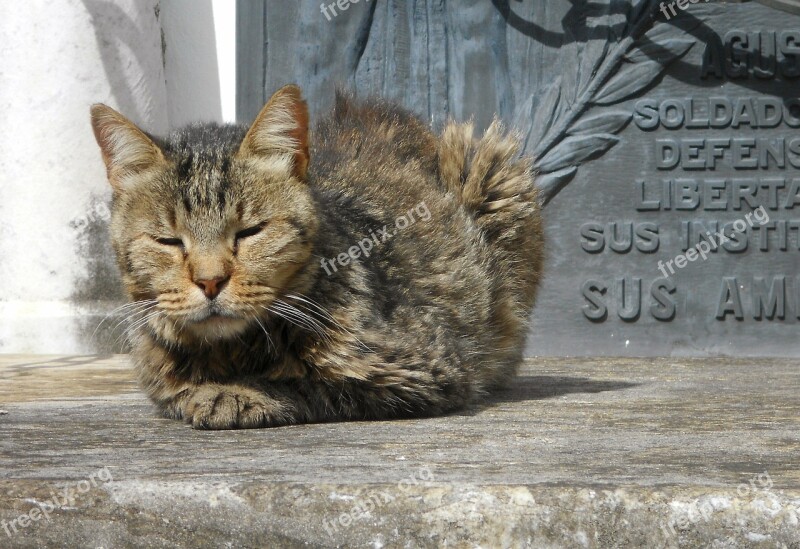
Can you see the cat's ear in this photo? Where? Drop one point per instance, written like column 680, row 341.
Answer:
column 126, row 149
column 281, row 128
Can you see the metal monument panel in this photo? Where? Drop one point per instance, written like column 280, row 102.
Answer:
column 665, row 134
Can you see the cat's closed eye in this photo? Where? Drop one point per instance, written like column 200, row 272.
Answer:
column 169, row 241
column 252, row 231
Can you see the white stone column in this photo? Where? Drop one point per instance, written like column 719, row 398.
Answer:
column 56, row 59
column 190, row 59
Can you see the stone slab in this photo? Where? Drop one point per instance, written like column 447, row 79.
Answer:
column 577, row 453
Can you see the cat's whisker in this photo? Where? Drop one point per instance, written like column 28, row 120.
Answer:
column 266, row 333
column 174, row 322
column 131, row 305
column 138, row 310
column 183, row 324
column 294, row 317
column 126, row 308
column 320, row 312
column 315, row 324
column 130, row 330
column 319, row 308
column 297, row 320
column 328, row 316
column 132, row 316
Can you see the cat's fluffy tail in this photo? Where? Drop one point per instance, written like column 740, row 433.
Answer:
column 493, row 182
column 487, row 173
column 497, row 187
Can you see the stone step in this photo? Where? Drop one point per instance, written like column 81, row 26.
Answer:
column 578, row 453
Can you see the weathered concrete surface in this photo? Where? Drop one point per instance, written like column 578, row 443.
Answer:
column 580, row 453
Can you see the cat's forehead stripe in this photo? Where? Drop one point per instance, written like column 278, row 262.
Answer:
column 203, row 160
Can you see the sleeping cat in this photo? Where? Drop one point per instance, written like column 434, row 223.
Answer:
column 255, row 299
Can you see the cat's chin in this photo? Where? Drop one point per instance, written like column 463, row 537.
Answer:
column 217, row 327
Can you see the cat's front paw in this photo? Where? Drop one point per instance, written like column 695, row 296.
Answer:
column 231, row 407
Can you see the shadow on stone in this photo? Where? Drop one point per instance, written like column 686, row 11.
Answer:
column 540, row 387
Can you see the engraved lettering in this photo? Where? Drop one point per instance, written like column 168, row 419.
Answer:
column 629, row 290
column 664, row 305
column 595, row 309
column 592, row 238
column 730, row 302
column 769, row 303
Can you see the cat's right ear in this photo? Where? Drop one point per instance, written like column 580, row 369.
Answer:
column 281, row 128
column 127, row 150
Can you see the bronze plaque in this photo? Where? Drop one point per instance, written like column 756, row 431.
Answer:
column 682, row 237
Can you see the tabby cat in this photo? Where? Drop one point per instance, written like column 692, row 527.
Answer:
column 255, row 299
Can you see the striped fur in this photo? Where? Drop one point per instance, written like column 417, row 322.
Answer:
column 429, row 320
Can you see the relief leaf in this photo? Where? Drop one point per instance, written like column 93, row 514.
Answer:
column 638, row 11
column 591, row 58
column 550, row 184
column 575, row 149
column 630, row 79
column 664, row 52
column 546, row 112
column 607, row 122
column 523, row 122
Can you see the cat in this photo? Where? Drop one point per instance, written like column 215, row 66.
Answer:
column 255, row 300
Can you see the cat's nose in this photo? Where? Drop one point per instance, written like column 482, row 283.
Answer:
column 212, row 286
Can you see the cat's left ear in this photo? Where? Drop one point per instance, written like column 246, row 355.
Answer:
column 127, row 150
column 281, row 128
